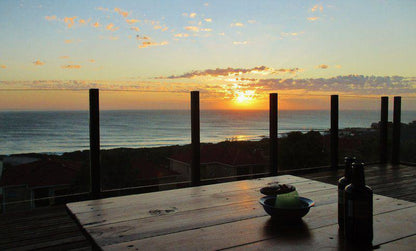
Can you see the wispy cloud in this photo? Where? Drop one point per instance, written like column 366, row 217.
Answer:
column 38, row 63
column 135, row 28
column 64, row 57
column 132, row 21
column 317, row 7
column 3, row 66
column 252, row 21
column 192, row 15
column 146, row 44
column 51, row 18
column 138, row 37
column 356, row 84
column 102, row 9
column 312, row 18
column 237, row 24
column 338, row 66
column 111, row 27
column 70, row 66
column 349, row 84
column 209, row 20
column 181, row 35
column 96, row 25
column 240, row 42
column 192, row 28
column 91, row 60
column 68, row 41
column 322, row 66
column 70, row 21
column 262, row 70
column 121, row 12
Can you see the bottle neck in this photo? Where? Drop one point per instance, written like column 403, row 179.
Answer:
column 358, row 178
column 348, row 168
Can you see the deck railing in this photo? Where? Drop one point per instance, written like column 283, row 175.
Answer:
column 96, row 189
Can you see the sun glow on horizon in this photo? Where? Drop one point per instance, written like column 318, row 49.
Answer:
column 244, row 97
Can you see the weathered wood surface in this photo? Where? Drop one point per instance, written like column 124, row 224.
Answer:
column 44, row 228
column 393, row 181
column 228, row 215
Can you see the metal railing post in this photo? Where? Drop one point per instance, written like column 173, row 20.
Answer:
column 195, row 137
column 383, row 129
column 395, row 158
column 334, row 130
column 95, row 168
column 273, row 133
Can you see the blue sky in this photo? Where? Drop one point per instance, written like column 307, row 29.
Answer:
column 138, row 45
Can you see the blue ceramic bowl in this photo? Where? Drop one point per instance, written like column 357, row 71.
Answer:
column 286, row 214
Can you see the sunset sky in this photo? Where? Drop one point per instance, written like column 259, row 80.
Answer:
column 150, row 54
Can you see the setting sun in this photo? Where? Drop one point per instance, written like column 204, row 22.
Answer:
column 245, row 97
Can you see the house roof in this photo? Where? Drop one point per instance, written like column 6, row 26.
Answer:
column 148, row 170
column 231, row 154
column 48, row 172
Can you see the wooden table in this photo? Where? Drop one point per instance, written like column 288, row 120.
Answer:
column 229, row 216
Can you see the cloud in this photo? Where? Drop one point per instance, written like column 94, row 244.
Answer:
column 206, row 29
column 132, row 21
column 263, row 70
column 111, row 27
column 237, row 24
column 209, row 20
column 338, row 66
column 121, row 12
column 146, row 44
column 69, row 21
column 102, row 9
column 221, row 34
column 293, row 34
column 69, row 66
column 316, row 7
column 181, row 35
column 192, row 28
column 192, row 15
column 251, row 21
column 91, row 60
column 38, row 63
column 96, row 25
column 206, row 4
column 3, row 66
column 138, row 37
column 356, row 84
column 240, row 42
column 313, row 18
column 64, row 57
column 135, row 28
column 157, row 27
column 68, row 41
column 322, row 66
column 50, row 18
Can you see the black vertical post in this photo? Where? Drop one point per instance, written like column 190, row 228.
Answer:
column 383, row 129
column 334, row 130
column 395, row 159
column 195, row 133
column 95, row 143
column 273, row 133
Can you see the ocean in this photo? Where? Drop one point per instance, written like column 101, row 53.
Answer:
column 65, row 131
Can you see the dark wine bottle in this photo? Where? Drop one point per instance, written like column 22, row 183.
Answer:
column 342, row 183
column 358, row 197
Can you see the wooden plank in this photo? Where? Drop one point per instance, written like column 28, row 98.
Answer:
column 179, row 194
column 387, row 227
column 152, row 226
column 249, row 230
column 142, row 208
column 405, row 244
